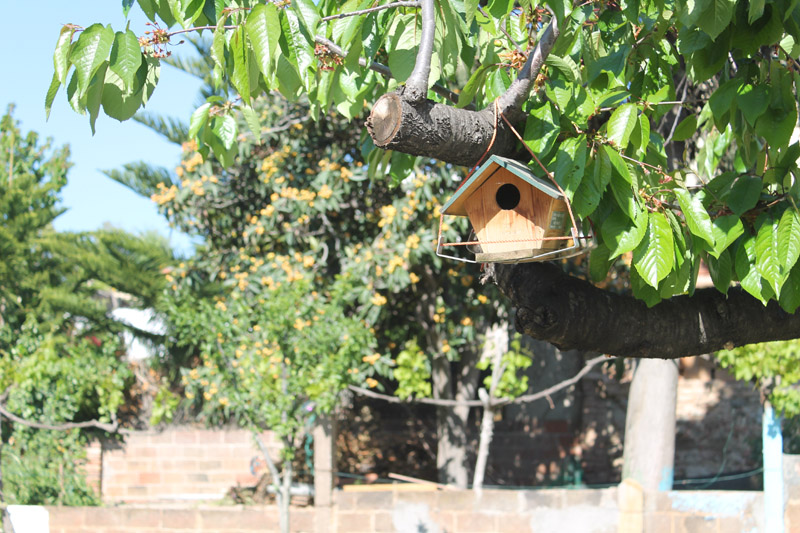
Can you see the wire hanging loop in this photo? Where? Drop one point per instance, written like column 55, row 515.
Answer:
column 547, row 172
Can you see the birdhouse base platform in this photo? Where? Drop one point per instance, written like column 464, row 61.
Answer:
column 513, row 256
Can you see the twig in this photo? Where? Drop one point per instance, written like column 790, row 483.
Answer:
column 416, row 3
column 417, row 83
column 198, row 28
column 494, row 402
column 110, row 428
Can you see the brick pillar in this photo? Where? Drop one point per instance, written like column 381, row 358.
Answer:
column 324, row 471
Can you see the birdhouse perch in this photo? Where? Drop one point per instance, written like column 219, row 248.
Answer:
column 515, row 215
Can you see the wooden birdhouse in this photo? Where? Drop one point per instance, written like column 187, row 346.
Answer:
column 516, row 215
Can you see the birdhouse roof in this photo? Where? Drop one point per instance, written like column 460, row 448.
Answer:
column 455, row 206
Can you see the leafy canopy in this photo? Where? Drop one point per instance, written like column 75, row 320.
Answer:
column 60, row 354
column 623, row 85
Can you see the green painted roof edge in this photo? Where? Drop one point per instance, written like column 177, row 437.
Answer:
column 515, row 167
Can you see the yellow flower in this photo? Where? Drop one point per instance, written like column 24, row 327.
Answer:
column 224, row 402
column 371, row 359
column 299, row 324
column 372, row 383
column 325, row 192
column 414, row 278
column 378, row 299
column 467, row 321
column 482, row 298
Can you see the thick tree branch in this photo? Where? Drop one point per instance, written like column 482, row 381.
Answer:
column 457, row 136
column 571, row 313
column 416, row 89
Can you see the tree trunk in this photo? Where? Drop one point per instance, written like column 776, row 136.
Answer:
column 649, row 451
column 451, row 422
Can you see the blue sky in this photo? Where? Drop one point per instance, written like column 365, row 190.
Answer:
column 27, row 65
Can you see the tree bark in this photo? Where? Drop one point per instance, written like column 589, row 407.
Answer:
column 402, row 121
column 649, row 453
column 449, row 134
column 571, row 313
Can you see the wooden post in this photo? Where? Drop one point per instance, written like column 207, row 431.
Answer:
column 324, row 472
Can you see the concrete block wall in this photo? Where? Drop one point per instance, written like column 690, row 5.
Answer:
column 622, row 509
column 182, row 463
column 154, row 519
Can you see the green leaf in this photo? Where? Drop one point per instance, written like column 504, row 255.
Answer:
column 541, row 128
column 121, row 103
column 777, row 124
column 94, row 94
column 768, row 262
column 185, row 11
column 61, row 54
column 51, row 95
column 149, row 9
column 89, row 52
column 621, row 181
column 126, row 56
column 301, row 52
column 252, row 120
column 126, row 7
column 307, row 12
column 726, row 230
column 621, row 124
column 788, row 240
column 593, row 185
column 790, row 293
column 225, row 129
column 599, row 263
column 571, row 164
column 748, row 275
column 655, row 255
column 263, row 27
column 566, row 65
column 474, row 83
column 716, row 17
column 198, row 119
column 345, row 30
column 402, row 46
column 471, row 7
column 754, row 10
column 721, row 270
column 745, row 193
column 752, row 101
column 697, row 218
column 686, row 129
column 622, row 235
column 240, row 78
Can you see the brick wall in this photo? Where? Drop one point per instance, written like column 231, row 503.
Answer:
column 614, row 510
column 177, row 463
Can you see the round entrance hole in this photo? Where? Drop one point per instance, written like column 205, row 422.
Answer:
column 507, row 196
